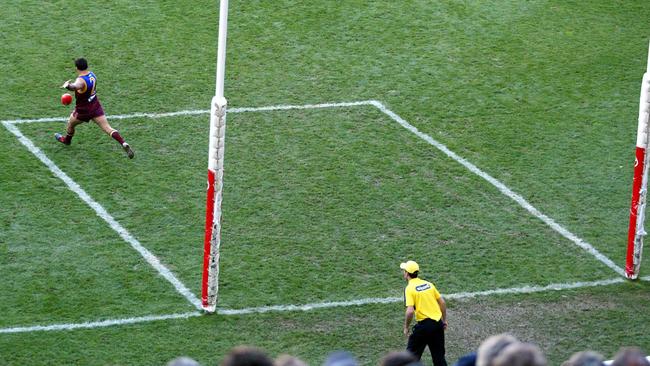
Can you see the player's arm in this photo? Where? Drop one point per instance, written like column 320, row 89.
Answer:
column 408, row 316
column 443, row 309
column 79, row 83
column 409, row 302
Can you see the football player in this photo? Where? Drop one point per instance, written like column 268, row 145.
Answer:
column 87, row 107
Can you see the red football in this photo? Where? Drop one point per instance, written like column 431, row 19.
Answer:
column 66, row 99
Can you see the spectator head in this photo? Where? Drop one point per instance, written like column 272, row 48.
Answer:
column 520, row 354
column 467, row 360
column 340, row 358
column 630, row 356
column 491, row 347
column 403, row 358
column 585, row 358
column 183, row 361
column 288, row 360
column 246, row 356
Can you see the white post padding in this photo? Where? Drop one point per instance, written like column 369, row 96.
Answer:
column 218, row 135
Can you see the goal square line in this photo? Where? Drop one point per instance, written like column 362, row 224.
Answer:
column 304, row 307
column 521, row 201
column 381, row 107
column 10, row 125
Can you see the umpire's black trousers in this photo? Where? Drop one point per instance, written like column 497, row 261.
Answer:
column 428, row 332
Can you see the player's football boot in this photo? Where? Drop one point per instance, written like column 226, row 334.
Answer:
column 128, row 150
column 60, row 138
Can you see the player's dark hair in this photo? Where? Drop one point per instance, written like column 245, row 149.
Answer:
column 81, row 64
column 414, row 274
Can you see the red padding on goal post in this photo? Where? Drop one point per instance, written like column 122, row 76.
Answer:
column 209, row 224
column 637, row 181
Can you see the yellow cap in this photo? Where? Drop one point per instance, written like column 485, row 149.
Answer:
column 410, row 267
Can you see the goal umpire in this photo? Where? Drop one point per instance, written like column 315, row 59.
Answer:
column 423, row 300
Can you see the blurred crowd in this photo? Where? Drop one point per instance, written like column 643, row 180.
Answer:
column 497, row 350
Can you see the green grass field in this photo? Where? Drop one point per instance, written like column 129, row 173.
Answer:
column 321, row 205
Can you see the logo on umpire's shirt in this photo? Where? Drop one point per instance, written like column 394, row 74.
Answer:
column 422, row 287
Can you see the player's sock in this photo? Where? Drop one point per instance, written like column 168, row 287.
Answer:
column 116, row 135
column 67, row 139
column 129, row 152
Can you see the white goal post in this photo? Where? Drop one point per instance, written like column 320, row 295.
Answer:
column 636, row 230
column 212, row 238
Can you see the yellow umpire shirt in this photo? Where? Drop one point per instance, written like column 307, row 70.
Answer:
column 424, row 297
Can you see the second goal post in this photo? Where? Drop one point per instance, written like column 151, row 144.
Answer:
column 216, row 149
column 636, row 230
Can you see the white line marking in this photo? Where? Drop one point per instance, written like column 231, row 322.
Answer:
column 307, row 307
column 533, row 289
column 387, row 300
column 201, row 111
column 504, row 189
column 306, row 106
column 48, row 119
column 313, row 306
column 97, row 324
column 160, row 115
column 101, row 212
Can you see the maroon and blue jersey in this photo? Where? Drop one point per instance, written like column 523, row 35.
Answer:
column 87, row 106
column 87, row 94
